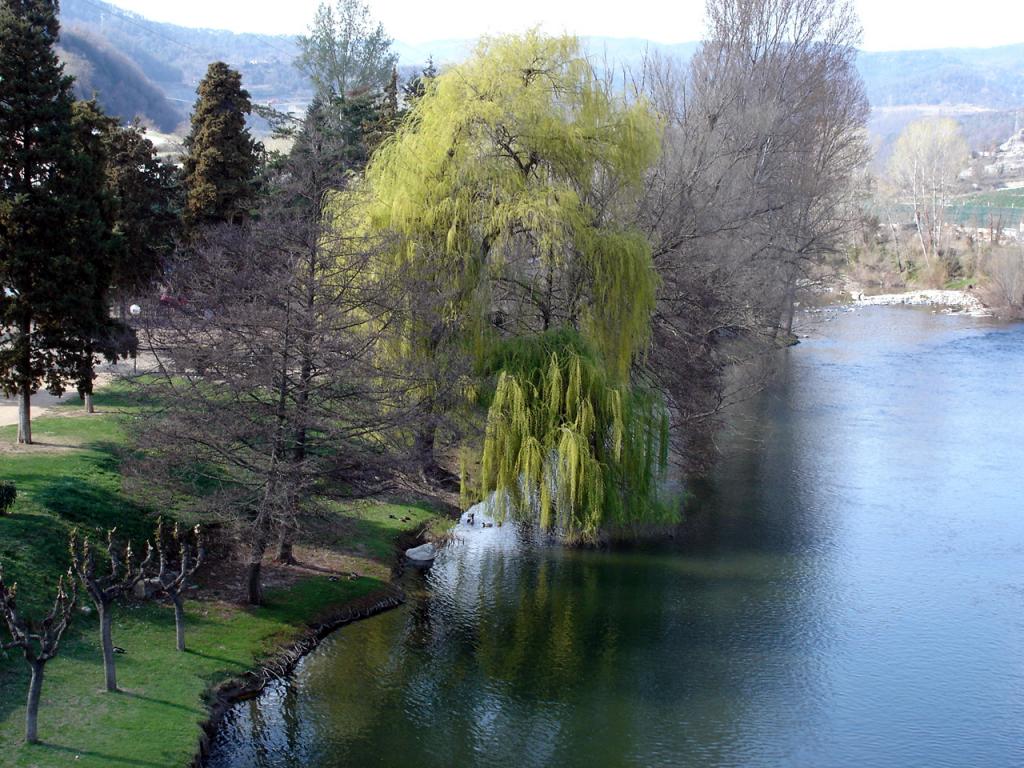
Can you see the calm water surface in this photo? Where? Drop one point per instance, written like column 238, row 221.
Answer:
column 853, row 595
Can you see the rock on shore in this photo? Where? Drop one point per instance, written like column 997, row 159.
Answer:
column 422, row 554
column 957, row 301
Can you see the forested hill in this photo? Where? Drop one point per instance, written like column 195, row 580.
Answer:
column 121, row 86
column 985, row 77
column 174, row 58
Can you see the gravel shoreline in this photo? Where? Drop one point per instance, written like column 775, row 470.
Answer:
column 956, row 301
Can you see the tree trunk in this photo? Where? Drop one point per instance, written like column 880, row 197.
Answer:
column 25, row 416
column 24, row 372
column 430, row 470
column 254, row 586
column 35, row 688
column 285, row 548
column 789, row 309
column 424, row 449
column 107, row 642
column 179, row 621
column 920, row 236
column 88, row 403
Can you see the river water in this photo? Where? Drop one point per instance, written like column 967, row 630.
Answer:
column 851, row 594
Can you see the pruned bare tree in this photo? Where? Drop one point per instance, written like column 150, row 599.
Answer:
column 107, row 588
column 39, row 641
column 764, row 132
column 179, row 556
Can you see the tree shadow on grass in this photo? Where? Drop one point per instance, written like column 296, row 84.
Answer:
column 234, row 664
column 161, row 702
column 85, row 504
column 109, row 456
column 108, row 759
column 13, row 684
column 117, row 398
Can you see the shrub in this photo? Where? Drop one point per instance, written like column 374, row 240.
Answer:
column 1004, row 287
column 8, row 493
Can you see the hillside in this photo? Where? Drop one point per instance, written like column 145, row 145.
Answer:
column 982, row 87
column 176, row 57
column 120, row 86
column 984, row 77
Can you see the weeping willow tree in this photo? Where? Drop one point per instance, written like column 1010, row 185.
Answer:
column 507, row 188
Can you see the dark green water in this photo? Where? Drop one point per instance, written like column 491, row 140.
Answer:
column 853, row 596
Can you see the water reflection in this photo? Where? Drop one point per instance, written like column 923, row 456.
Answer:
column 851, row 593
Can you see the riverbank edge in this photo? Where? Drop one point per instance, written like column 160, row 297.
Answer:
column 280, row 663
column 959, row 301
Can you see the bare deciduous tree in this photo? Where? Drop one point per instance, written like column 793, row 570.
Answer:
column 38, row 641
column 276, row 394
column 925, row 165
column 1004, row 269
column 764, row 131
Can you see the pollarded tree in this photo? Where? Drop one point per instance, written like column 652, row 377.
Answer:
column 106, row 588
column 38, row 641
column 507, row 183
column 221, row 156
column 179, row 556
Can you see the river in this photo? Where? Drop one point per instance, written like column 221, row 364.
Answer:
column 851, row 593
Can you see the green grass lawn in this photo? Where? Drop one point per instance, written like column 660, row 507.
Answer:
column 75, row 482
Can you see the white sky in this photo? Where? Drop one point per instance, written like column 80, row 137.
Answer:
column 888, row 24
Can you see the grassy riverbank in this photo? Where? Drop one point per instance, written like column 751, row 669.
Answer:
column 72, row 479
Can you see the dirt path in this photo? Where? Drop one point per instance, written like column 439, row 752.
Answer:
column 42, row 402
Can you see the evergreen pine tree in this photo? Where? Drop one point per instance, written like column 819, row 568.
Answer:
column 52, row 231
column 355, row 121
column 221, row 156
column 146, row 193
column 388, row 115
column 415, row 88
column 91, row 331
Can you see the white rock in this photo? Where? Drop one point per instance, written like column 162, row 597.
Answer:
column 425, row 553
column 958, row 300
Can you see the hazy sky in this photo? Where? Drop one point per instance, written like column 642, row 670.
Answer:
column 888, row 24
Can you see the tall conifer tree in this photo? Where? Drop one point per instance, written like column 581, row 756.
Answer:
column 147, row 199
column 90, row 329
column 51, row 224
column 222, row 157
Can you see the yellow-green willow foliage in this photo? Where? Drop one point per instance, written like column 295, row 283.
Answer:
column 506, row 186
column 567, row 446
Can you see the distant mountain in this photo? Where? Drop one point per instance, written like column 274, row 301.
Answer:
column 122, row 89
column 176, row 57
column 629, row 51
column 970, row 83
column 985, row 77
